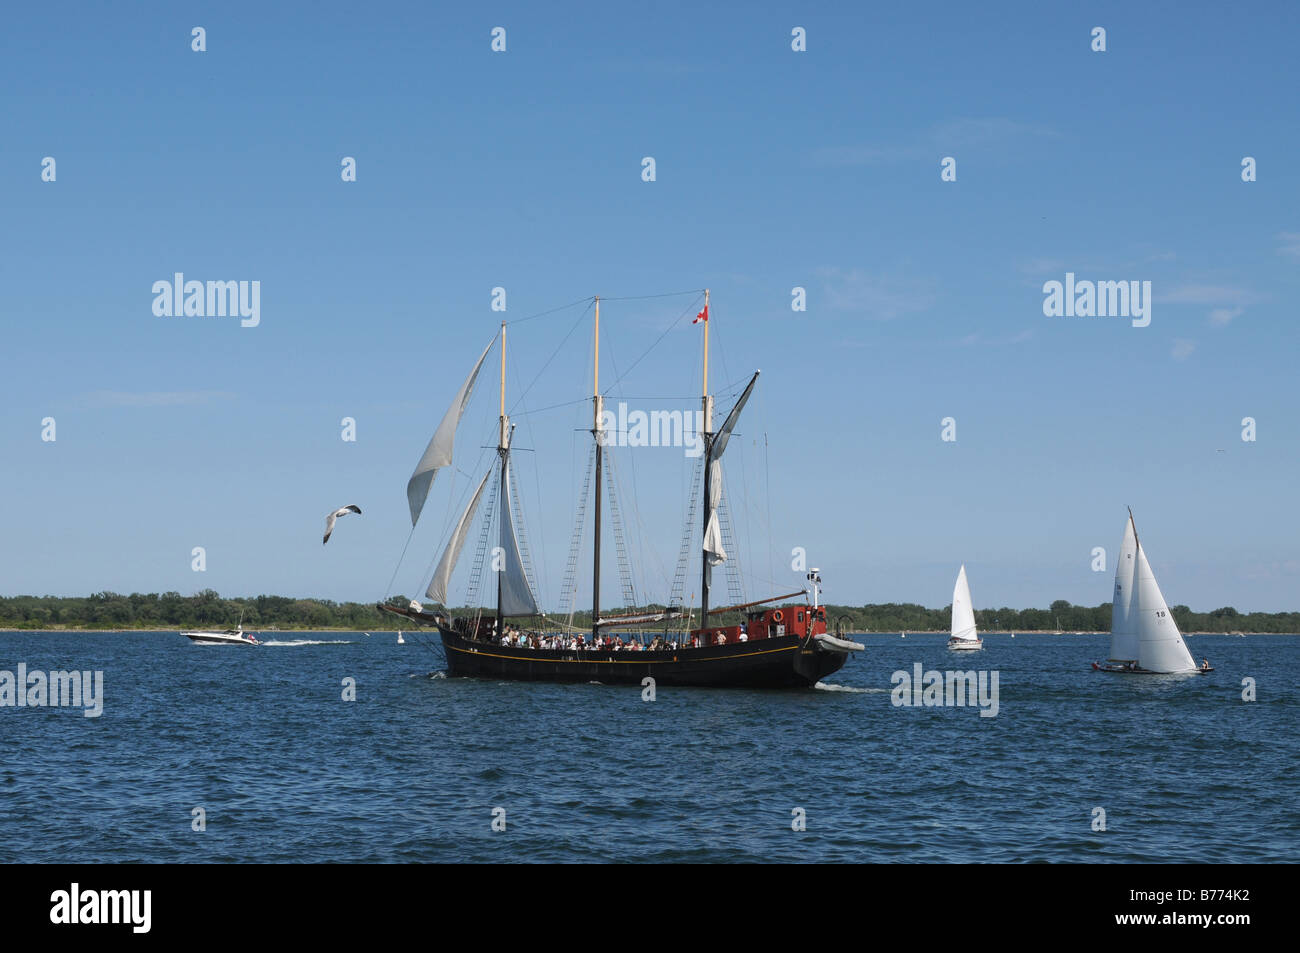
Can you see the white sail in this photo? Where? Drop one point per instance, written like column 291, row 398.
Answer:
column 516, row 595
column 437, row 590
column 963, row 613
column 1123, row 634
column 438, row 453
column 1160, row 644
column 713, row 531
column 713, row 550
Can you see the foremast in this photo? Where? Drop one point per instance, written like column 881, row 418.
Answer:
column 503, row 451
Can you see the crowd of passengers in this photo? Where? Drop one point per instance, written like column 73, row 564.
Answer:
column 514, row 637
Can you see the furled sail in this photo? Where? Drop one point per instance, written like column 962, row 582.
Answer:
column 713, row 531
column 516, row 595
column 713, row 550
column 437, row 590
column 1123, row 634
column 1160, row 644
column 963, row 613
column 438, row 453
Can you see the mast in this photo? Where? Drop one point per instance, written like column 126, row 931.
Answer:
column 503, row 450
column 707, row 402
column 598, row 406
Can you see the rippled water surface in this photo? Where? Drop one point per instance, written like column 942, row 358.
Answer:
column 285, row 770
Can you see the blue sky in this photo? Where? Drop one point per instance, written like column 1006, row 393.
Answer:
column 775, row 169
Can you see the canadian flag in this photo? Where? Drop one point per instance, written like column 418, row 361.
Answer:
column 702, row 316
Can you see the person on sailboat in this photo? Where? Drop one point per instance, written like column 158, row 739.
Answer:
column 1205, row 665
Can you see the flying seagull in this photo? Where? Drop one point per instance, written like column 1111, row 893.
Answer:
column 329, row 520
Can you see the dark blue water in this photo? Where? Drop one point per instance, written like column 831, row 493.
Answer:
column 412, row 770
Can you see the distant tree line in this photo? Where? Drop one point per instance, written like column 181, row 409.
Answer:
column 207, row 609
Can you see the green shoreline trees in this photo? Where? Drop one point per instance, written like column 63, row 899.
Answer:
column 207, row 609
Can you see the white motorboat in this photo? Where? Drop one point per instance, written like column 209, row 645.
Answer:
column 236, row 636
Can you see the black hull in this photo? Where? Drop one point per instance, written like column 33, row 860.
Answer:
column 786, row 662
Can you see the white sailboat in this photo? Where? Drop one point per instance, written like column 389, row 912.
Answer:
column 400, row 640
column 964, row 637
column 1144, row 638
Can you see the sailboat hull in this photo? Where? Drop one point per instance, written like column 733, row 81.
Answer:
column 1117, row 669
column 783, row 662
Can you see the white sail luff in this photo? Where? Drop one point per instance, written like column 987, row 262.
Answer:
column 1160, row 645
column 439, row 451
column 1123, row 634
column 437, row 590
column 963, row 611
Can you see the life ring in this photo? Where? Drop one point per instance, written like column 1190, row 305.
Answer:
column 778, row 616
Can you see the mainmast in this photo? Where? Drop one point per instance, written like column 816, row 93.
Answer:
column 598, row 407
column 503, row 450
column 707, row 402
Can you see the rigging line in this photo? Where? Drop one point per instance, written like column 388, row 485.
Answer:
column 744, row 507
column 636, row 509
column 536, row 481
column 767, row 486
column 656, row 343
column 542, row 314
column 389, row 591
column 567, row 403
column 667, row 294
column 557, row 350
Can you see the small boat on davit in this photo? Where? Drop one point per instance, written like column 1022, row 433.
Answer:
column 785, row 646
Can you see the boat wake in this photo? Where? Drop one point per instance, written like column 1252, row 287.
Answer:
column 825, row 687
column 296, row 642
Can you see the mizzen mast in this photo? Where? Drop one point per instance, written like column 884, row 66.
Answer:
column 598, row 434
column 707, row 402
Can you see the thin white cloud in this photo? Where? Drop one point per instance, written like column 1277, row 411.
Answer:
column 1231, row 300
column 1222, row 316
column 1207, row 294
column 951, row 137
column 1183, row 349
column 1290, row 244
column 157, row 398
column 883, row 297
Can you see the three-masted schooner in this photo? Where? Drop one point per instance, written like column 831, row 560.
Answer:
column 782, row 647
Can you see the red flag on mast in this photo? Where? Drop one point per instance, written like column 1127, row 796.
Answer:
column 702, row 316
